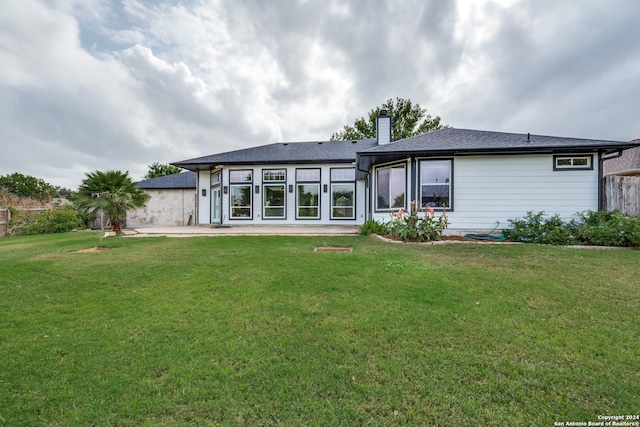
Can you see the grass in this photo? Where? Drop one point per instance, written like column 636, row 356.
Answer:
column 265, row 331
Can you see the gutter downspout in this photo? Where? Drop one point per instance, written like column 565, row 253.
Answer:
column 601, row 160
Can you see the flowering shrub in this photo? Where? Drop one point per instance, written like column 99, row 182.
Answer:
column 601, row 228
column 413, row 227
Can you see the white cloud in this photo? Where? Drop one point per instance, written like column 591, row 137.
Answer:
column 97, row 84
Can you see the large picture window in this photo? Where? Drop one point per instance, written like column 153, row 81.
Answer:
column 274, row 195
column 435, row 183
column 343, row 190
column 240, row 193
column 308, row 193
column 391, row 183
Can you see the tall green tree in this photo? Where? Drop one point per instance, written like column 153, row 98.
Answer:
column 27, row 186
column 407, row 119
column 157, row 170
column 112, row 192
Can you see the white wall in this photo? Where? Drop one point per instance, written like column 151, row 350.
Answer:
column 487, row 189
column 166, row 207
column 203, row 182
column 498, row 188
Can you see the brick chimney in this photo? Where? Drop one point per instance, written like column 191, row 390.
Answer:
column 383, row 128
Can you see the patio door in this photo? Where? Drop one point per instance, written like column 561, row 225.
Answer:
column 216, row 198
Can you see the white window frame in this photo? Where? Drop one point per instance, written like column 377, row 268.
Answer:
column 248, row 182
column 390, row 166
column 308, row 180
column 448, row 183
column 274, row 178
column 571, row 162
column 339, row 178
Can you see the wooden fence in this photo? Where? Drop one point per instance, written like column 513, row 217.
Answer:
column 5, row 216
column 621, row 192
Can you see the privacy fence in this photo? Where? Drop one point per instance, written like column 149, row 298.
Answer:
column 5, row 216
column 621, row 193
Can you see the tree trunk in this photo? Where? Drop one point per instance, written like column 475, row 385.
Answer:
column 117, row 227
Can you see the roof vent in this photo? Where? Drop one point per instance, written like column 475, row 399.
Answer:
column 529, row 141
column 319, row 143
column 353, row 142
column 285, row 144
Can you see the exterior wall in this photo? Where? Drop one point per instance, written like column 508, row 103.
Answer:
column 204, row 209
column 488, row 189
column 166, row 207
column 499, row 188
column 204, row 202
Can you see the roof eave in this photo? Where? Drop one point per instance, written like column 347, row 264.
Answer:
column 196, row 166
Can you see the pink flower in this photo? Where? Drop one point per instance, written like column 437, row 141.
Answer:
column 430, row 210
column 413, row 202
column 400, row 214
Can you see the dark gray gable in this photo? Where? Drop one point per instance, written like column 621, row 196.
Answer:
column 284, row 153
column 174, row 181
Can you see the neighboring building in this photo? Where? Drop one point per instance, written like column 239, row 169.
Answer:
column 172, row 202
column 479, row 177
column 627, row 164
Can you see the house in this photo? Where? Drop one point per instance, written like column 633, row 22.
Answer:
column 622, row 181
column 627, row 164
column 480, row 178
column 172, row 201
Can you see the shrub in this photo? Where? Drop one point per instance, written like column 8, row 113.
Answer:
column 600, row 228
column 57, row 220
column 413, row 227
column 372, row 227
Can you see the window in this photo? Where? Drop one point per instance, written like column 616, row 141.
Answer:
column 391, row 185
column 343, row 190
column 573, row 162
column 240, row 193
column 435, row 183
column 274, row 196
column 308, row 193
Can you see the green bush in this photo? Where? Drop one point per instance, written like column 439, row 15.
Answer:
column 412, row 227
column 599, row 228
column 57, row 220
column 372, row 227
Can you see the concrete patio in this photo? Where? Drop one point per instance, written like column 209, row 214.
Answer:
column 245, row 230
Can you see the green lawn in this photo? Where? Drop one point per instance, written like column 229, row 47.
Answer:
column 265, row 331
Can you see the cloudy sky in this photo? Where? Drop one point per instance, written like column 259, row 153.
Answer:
column 117, row 85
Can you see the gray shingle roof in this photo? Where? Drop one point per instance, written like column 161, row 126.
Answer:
column 292, row 152
column 451, row 140
column 176, row 181
column 447, row 141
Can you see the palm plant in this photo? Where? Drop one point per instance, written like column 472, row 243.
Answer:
column 112, row 192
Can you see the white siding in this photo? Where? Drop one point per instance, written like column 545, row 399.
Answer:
column 204, row 202
column 497, row 188
column 490, row 189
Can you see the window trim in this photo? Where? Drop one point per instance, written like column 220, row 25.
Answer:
column 375, row 186
column 233, row 184
column 571, row 167
column 305, row 182
column 342, row 182
column 269, row 183
column 450, row 184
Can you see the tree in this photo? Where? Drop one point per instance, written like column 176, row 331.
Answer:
column 157, row 170
column 112, row 192
column 27, row 186
column 405, row 122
